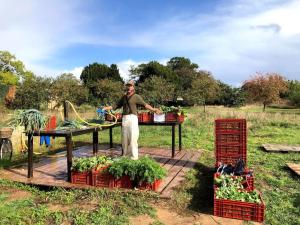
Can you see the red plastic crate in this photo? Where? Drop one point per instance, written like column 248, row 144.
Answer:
column 147, row 186
column 229, row 154
column 101, row 178
column 81, row 177
column 171, row 117
column 248, row 182
column 145, row 117
column 230, row 125
column 238, row 138
column 239, row 210
column 180, row 118
column 123, row 182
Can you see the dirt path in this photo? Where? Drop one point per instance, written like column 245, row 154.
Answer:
column 168, row 217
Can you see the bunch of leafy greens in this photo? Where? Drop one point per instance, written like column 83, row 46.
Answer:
column 143, row 169
column 172, row 109
column 31, row 119
column 69, row 124
column 87, row 164
column 229, row 187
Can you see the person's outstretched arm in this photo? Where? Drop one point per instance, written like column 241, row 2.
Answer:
column 155, row 110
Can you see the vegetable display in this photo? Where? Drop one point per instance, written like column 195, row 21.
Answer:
column 31, row 119
column 229, row 187
column 172, row 109
column 87, row 164
column 143, row 169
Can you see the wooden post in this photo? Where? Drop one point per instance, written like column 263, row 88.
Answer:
column 66, row 111
column 69, row 155
column 95, row 142
column 30, row 155
column 173, row 140
column 179, row 133
column 110, row 137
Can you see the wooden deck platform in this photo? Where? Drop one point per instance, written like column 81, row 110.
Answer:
column 52, row 170
column 294, row 167
column 280, row 148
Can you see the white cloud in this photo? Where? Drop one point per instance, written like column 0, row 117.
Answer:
column 75, row 71
column 233, row 41
column 36, row 30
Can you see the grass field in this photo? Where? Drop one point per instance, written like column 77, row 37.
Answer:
column 280, row 187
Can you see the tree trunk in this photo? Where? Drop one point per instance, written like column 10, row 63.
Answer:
column 204, row 110
column 264, row 107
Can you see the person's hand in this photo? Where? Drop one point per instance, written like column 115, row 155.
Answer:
column 157, row 111
column 107, row 108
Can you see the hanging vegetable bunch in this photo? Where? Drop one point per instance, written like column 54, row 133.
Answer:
column 31, row 119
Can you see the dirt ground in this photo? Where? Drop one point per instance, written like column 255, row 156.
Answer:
column 168, row 217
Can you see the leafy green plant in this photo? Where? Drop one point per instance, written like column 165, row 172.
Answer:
column 31, row 119
column 87, row 164
column 232, row 188
column 143, row 169
column 69, row 124
column 173, row 109
column 149, row 170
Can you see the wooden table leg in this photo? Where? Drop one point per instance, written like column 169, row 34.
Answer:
column 179, row 133
column 69, row 155
column 110, row 137
column 95, row 142
column 173, row 141
column 30, row 156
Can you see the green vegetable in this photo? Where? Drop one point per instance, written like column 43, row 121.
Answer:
column 69, row 124
column 173, row 109
column 31, row 119
column 229, row 187
column 143, row 169
column 87, row 164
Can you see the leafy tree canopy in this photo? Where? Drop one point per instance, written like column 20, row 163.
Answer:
column 95, row 72
column 265, row 88
column 11, row 69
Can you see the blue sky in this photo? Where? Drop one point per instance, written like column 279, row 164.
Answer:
column 233, row 39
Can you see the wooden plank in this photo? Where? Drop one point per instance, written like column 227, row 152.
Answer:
column 166, row 193
column 294, row 167
column 174, row 170
column 280, row 148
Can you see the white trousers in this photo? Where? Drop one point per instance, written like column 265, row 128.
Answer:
column 130, row 136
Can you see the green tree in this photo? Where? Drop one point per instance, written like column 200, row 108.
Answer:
column 156, row 90
column 68, row 87
column 153, row 68
column 230, row 96
column 33, row 92
column 265, row 88
column 11, row 69
column 185, row 72
column 107, row 91
column 95, row 72
column 294, row 92
column 204, row 88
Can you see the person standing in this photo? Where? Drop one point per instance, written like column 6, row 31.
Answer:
column 130, row 125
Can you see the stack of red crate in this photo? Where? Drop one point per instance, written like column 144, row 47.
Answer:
column 231, row 140
column 230, row 146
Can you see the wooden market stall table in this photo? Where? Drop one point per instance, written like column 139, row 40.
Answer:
column 68, row 134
